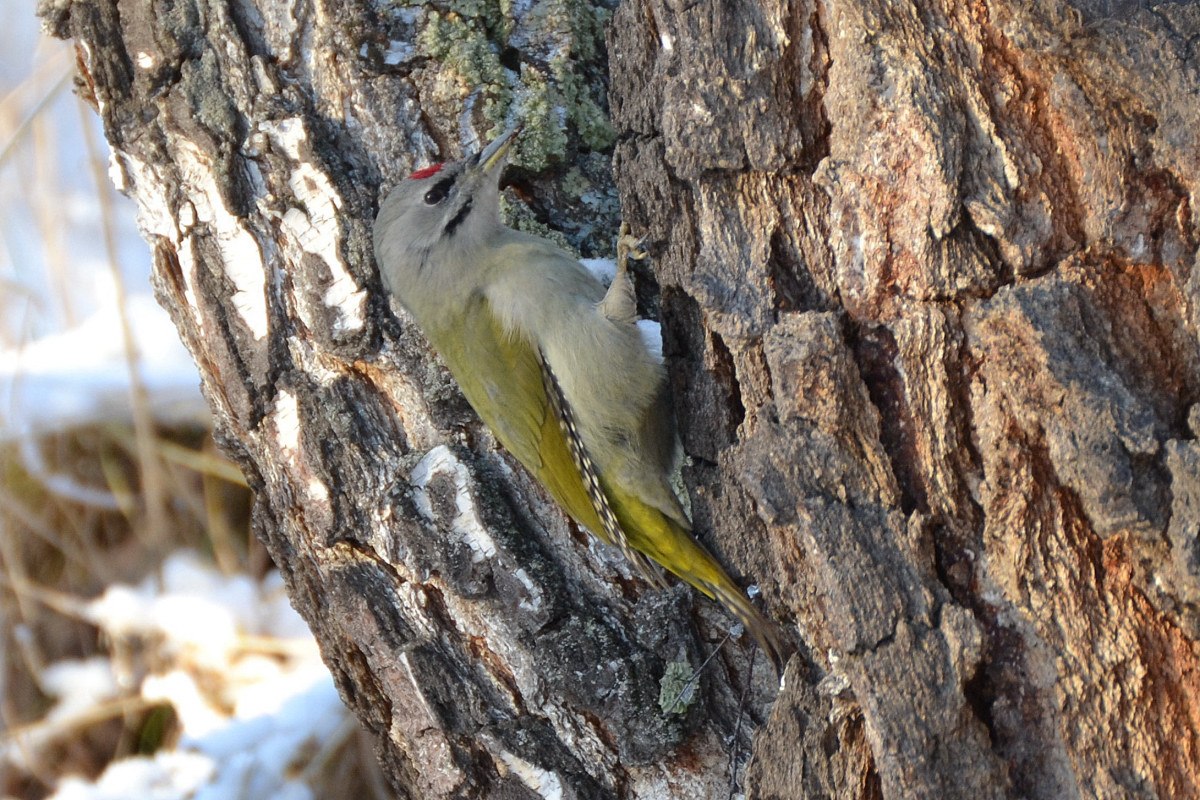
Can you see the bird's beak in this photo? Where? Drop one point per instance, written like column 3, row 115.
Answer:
column 491, row 158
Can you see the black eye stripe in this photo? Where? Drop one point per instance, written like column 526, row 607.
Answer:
column 457, row 220
column 439, row 191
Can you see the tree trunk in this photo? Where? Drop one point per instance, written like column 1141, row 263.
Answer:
column 928, row 302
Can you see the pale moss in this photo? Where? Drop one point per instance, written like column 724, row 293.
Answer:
column 543, row 139
column 553, row 85
column 585, row 24
column 554, row 100
column 517, row 215
column 459, row 43
column 677, row 689
column 589, row 119
column 584, row 21
column 575, row 183
column 486, row 10
column 505, row 21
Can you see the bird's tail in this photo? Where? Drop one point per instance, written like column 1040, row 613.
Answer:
column 670, row 544
column 765, row 632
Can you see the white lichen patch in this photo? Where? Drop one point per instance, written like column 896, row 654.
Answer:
column 315, row 225
column 398, row 52
column 344, row 295
column 466, row 523
column 241, row 255
column 533, row 599
column 708, row 779
column 154, row 217
column 286, row 422
column 127, row 172
column 545, row 783
column 280, row 23
column 116, row 173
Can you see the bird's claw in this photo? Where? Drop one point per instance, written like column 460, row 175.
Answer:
column 630, row 247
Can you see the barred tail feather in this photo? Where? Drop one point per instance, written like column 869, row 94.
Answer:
column 646, row 536
column 612, row 531
column 668, row 543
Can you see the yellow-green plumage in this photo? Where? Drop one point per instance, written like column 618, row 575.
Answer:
column 553, row 364
column 501, row 375
column 501, row 378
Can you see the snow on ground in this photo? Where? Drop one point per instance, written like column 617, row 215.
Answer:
column 80, row 376
column 256, row 707
column 253, row 700
column 62, row 356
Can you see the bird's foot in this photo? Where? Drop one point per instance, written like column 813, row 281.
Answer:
column 629, row 247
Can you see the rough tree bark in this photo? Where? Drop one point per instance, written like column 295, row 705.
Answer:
column 929, row 299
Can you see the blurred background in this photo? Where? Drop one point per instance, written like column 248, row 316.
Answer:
column 147, row 647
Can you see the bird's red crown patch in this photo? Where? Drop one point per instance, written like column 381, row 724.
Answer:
column 421, row 174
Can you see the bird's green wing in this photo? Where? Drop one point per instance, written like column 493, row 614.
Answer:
column 506, row 381
column 500, row 374
column 504, row 378
column 613, row 532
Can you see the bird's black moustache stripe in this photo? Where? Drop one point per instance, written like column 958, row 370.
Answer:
column 457, row 219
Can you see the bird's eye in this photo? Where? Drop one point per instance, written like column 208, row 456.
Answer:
column 438, row 193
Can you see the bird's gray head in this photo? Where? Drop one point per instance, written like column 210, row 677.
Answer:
column 436, row 217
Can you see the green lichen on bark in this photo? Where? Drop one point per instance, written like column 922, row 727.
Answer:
column 480, row 66
column 499, row 63
column 677, row 689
